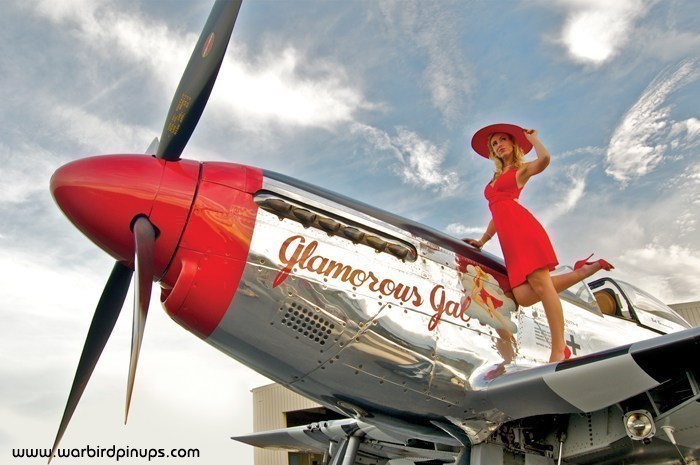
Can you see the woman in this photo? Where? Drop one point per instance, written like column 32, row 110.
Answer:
column 527, row 250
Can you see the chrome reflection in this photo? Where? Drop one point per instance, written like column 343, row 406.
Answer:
column 320, row 311
column 414, row 335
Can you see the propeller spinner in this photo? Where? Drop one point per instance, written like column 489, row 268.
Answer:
column 147, row 201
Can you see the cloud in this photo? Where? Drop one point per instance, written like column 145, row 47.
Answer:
column 669, row 45
column 79, row 12
column 690, row 128
column 596, row 30
column 646, row 132
column 692, row 173
column 273, row 90
column 419, row 161
column 588, row 150
column 22, row 167
column 435, row 32
column 460, row 230
column 669, row 272
column 97, row 134
column 422, row 162
column 566, row 194
column 686, row 223
column 256, row 92
column 107, row 29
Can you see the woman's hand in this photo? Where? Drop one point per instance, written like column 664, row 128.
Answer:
column 531, row 135
column 473, row 243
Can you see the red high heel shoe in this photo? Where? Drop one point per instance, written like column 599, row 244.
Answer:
column 566, row 353
column 603, row 263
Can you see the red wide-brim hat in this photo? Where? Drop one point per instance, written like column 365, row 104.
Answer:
column 480, row 141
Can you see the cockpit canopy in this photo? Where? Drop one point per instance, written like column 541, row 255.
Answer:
column 628, row 301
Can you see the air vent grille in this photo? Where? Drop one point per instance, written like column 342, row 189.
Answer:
column 308, row 323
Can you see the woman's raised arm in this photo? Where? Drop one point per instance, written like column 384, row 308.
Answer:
column 536, row 166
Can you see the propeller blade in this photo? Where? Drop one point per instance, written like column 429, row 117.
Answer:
column 144, row 239
column 103, row 321
column 198, row 79
column 151, row 150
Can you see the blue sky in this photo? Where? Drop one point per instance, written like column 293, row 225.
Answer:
column 375, row 100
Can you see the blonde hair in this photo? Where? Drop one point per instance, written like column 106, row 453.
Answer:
column 517, row 154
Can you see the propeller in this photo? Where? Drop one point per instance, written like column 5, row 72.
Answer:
column 198, row 80
column 106, row 313
column 144, row 239
column 185, row 110
column 105, row 317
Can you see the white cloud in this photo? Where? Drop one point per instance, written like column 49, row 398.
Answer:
column 435, row 32
column 646, row 132
column 589, row 150
column 668, row 44
column 97, row 134
column 24, row 173
column 105, row 28
column 460, row 230
column 690, row 128
column 273, row 90
column 79, row 11
column 686, row 223
column 19, row 283
column 669, row 272
column 570, row 193
column 422, row 162
column 255, row 92
column 419, row 160
column 692, row 173
column 378, row 139
column 595, row 30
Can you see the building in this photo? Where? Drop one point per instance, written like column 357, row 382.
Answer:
column 689, row 310
column 276, row 407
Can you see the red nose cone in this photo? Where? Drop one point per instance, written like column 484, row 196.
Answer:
column 102, row 195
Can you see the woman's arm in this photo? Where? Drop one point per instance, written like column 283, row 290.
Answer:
column 535, row 166
column 490, row 232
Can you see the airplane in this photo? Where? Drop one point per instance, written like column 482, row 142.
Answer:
column 411, row 334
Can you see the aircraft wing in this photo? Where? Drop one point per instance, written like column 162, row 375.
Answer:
column 375, row 446
column 660, row 375
column 592, row 382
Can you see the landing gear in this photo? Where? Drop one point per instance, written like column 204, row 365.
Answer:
column 495, row 454
column 345, row 452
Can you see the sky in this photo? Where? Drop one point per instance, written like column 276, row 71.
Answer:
column 376, row 100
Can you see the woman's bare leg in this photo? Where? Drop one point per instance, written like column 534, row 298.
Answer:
column 526, row 296
column 542, row 284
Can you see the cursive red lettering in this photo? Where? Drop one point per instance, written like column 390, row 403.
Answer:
column 387, row 286
column 417, row 299
column 316, row 264
column 307, row 254
column 296, row 252
column 288, row 261
column 355, row 278
column 452, row 308
column 403, row 293
column 463, row 309
column 338, row 269
column 437, row 302
column 442, row 306
column 373, row 285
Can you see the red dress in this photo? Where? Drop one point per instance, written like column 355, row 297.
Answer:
column 524, row 242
